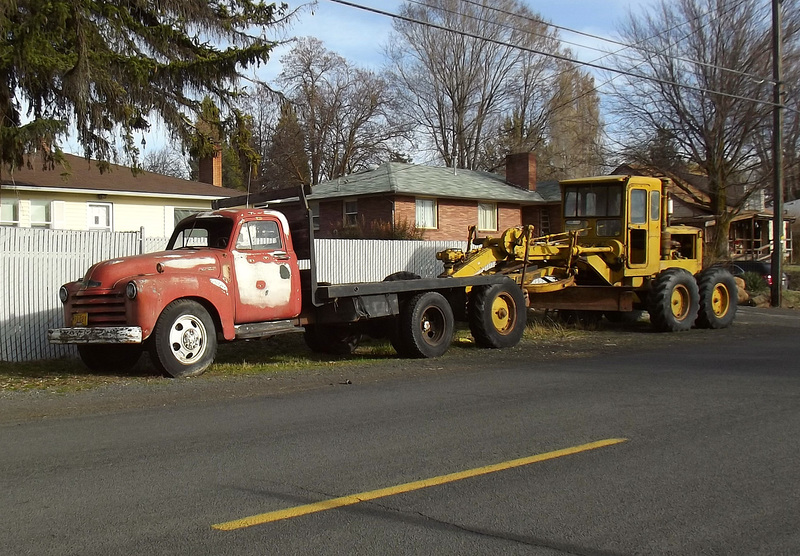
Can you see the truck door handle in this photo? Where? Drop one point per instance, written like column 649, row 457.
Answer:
column 280, row 255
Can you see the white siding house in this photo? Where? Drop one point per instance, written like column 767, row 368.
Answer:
column 82, row 198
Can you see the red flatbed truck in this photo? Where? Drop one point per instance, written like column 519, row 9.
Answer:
column 235, row 273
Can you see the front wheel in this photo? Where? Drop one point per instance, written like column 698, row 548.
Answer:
column 426, row 326
column 673, row 301
column 104, row 358
column 718, row 298
column 184, row 340
column 497, row 315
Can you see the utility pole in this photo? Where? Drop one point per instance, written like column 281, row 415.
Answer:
column 777, row 149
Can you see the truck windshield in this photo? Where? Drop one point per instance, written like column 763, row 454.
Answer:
column 592, row 200
column 201, row 232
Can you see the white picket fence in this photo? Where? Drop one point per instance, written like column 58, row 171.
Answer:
column 34, row 263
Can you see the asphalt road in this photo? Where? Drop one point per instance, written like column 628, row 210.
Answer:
column 708, row 464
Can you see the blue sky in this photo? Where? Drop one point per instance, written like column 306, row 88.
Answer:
column 358, row 35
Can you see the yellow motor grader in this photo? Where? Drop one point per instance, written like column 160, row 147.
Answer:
column 618, row 256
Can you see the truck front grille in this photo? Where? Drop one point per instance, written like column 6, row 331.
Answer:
column 102, row 310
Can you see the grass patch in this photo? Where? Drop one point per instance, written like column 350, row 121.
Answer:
column 280, row 354
column 790, row 299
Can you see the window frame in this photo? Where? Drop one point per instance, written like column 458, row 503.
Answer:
column 314, row 209
column 482, row 208
column 48, row 208
column 14, row 204
column 100, row 228
column 434, row 207
column 350, row 214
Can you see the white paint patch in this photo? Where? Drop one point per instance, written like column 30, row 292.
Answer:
column 277, row 291
column 220, row 284
column 189, row 263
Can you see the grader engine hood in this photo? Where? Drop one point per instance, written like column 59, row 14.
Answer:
column 107, row 274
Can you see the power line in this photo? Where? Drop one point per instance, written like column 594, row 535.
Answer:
column 639, row 45
column 561, row 57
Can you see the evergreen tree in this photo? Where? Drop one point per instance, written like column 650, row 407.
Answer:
column 105, row 69
column 286, row 161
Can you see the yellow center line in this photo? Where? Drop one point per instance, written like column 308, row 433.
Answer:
column 352, row 499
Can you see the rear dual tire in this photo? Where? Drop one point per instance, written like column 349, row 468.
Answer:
column 425, row 327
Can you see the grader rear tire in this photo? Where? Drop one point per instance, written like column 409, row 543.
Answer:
column 497, row 315
column 673, row 301
column 718, row 298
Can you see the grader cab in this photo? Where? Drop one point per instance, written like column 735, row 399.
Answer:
column 618, row 255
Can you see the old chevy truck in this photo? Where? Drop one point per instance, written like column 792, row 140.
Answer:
column 236, row 273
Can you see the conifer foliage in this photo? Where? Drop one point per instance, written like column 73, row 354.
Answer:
column 106, row 69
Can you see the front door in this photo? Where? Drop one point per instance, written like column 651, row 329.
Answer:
column 637, row 228
column 267, row 275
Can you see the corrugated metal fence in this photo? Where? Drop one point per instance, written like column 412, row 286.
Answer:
column 35, row 262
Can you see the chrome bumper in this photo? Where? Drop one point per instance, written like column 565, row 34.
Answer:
column 95, row 335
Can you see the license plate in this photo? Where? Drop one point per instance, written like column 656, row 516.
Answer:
column 80, row 319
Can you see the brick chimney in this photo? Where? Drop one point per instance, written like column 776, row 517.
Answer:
column 210, row 168
column 521, row 170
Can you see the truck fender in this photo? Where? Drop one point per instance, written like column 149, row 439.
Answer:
column 156, row 292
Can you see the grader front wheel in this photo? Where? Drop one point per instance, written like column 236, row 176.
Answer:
column 673, row 301
column 497, row 315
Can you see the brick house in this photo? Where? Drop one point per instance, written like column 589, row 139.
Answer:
column 442, row 202
column 82, row 198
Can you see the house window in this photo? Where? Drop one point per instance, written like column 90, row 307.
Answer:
column 99, row 216
column 9, row 212
column 426, row 213
column 40, row 214
column 314, row 215
column 487, row 217
column 351, row 213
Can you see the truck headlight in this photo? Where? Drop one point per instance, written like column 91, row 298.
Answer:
column 131, row 290
column 63, row 294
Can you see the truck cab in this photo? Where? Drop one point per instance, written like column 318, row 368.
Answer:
column 628, row 214
column 221, row 272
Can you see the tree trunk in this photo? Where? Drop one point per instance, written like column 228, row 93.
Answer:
column 719, row 246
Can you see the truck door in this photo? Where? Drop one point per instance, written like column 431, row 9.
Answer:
column 637, row 228
column 267, row 278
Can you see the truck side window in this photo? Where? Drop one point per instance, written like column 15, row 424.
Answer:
column 259, row 235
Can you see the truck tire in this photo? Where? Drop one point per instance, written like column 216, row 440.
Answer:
column 718, row 298
column 673, row 301
column 333, row 340
column 104, row 358
column 426, row 326
column 184, row 340
column 497, row 315
column 401, row 275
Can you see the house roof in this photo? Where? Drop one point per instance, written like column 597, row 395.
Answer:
column 431, row 181
column 84, row 176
